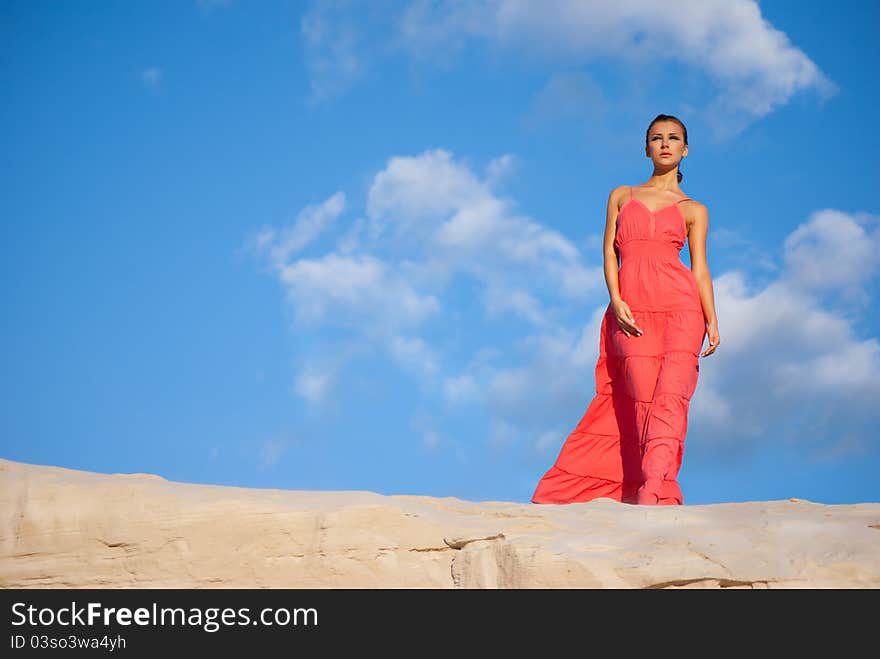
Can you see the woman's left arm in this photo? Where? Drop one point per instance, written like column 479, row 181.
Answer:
column 699, row 229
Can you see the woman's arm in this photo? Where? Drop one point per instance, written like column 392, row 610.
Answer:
column 621, row 309
column 699, row 216
column 611, row 257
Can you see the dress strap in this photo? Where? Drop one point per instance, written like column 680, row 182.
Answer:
column 630, row 192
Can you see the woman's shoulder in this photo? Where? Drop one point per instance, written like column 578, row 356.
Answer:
column 619, row 195
column 693, row 212
column 691, row 203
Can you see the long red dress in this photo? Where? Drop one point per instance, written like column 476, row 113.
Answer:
column 629, row 444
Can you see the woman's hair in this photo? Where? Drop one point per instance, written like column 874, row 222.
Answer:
column 668, row 117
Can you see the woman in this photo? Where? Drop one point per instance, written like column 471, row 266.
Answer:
column 629, row 444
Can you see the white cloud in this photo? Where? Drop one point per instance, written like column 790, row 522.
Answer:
column 423, row 188
column 313, row 383
column 309, row 224
column 790, row 366
column 518, row 300
column 500, row 167
column 337, row 47
column 553, row 375
column 711, row 405
column 320, row 370
column 461, row 389
column 435, row 237
column 753, row 65
column 429, row 220
column 353, row 289
column 351, row 241
column 432, row 200
column 833, row 250
column 414, row 355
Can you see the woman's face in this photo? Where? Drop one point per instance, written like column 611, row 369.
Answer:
column 666, row 145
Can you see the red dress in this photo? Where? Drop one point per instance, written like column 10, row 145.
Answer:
column 629, row 444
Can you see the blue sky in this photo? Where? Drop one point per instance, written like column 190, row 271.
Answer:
column 333, row 246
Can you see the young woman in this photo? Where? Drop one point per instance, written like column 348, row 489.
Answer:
column 629, row 444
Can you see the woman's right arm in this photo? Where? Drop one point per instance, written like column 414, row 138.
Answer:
column 621, row 309
column 611, row 257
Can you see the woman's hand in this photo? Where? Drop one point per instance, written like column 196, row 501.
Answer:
column 714, row 339
column 625, row 318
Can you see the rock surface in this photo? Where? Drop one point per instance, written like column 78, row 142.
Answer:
column 65, row 528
